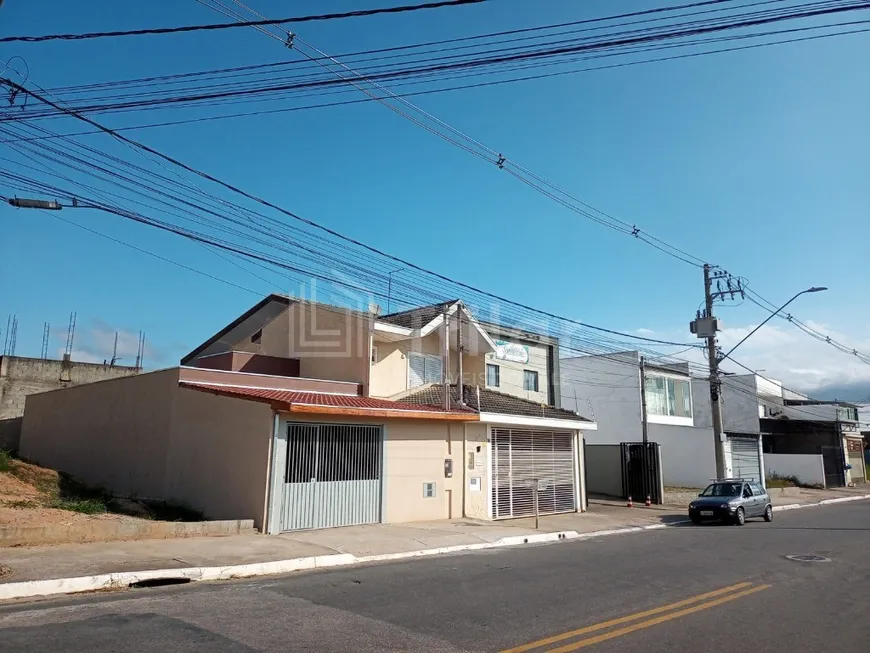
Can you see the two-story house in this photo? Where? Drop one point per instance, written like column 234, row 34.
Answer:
column 609, row 386
column 438, row 355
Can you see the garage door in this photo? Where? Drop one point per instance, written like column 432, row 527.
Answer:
column 332, row 476
column 525, row 462
column 745, row 460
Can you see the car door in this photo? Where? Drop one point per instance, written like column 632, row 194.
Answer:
column 749, row 507
column 760, row 497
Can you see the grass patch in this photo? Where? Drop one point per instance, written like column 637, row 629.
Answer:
column 781, row 481
column 64, row 492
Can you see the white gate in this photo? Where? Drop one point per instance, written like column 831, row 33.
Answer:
column 525, row 462
column 332, row 476
column 745, row 459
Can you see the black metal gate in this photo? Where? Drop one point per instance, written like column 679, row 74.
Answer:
column 832, row 459
column 641, row 475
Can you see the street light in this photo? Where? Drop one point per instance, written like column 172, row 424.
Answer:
column 770, row 317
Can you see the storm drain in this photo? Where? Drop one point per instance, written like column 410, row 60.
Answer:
column 808, row 558
column 159, row 582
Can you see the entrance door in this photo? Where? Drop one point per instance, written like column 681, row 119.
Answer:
column 526, row 462
column 745, row 460
column 332, row 476
column 855, row 452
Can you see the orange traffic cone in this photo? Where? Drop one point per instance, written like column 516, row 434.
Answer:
column 648, row 502
column 630, row 504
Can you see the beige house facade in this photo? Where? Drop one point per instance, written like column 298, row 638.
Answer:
column 299, row 415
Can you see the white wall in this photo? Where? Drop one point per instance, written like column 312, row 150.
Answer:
column 808, row 468
column 688, row 459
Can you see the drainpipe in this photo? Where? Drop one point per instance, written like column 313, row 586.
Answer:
column 464, row 466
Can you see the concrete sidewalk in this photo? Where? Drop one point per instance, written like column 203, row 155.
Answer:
column 46, row 570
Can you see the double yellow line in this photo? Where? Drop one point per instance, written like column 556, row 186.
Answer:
column 665, row 612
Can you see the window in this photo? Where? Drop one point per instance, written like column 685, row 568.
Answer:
column 374, row 354
column 428, row 490
column 492, row 377
column 257, row 336
column 423, row 369
column 668, row 396
column 530, row 380
column 757, row 490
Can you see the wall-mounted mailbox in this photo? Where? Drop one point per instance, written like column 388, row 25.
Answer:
column 448, row 468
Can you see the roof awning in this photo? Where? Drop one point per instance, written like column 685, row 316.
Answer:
column 315, row 403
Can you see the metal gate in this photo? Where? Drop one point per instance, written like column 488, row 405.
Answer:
column 641, row 471
column 745, row 459
column 526, row 462
column 832, row 460
column 332, row 476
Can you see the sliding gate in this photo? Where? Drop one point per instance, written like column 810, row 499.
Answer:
column 641, row 471
column 525, row 463
column 332, row 476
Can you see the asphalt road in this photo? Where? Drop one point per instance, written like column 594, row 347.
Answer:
column 709, row 588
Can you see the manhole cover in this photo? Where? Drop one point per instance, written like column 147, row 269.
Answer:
column 808, row 558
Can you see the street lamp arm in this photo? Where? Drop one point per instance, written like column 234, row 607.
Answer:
column 769, row 318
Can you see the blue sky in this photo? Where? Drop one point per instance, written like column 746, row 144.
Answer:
column 756, row 160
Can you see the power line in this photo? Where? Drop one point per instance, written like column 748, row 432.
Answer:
column 223, row 26
column 480, row 150
column 311, row 223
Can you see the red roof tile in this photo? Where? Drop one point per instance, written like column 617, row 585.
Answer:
column 291, row 397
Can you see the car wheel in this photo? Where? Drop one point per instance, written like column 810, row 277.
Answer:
column 740, row 517
column 768, row 514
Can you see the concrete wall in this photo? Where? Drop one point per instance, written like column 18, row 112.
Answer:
column 688, row 458
column 218, row 455
column 113, row 434
column 144, row 436
column 807, row 468
column 20, row 377
column 604, row 469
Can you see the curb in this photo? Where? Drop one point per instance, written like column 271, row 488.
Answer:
column 123, row 580
column 823, row 502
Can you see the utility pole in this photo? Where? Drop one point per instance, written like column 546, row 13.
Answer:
column 715, row 384
column 644, row 427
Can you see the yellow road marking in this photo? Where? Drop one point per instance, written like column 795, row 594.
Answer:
column 622, row 620
column 583, row 643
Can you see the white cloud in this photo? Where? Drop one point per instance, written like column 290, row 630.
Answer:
column 96, row 344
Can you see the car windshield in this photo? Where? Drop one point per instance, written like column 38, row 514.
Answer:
column 722, row 490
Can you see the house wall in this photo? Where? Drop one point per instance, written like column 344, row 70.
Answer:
column 476, row 466
column 511, row 373
column 414, row 454
column 389, row 375
column 606, row 389
column 145, row 436
column 739, row 404
column 330, row 343
column 808, row 468
column 217, row 460
column 114, row 434
column 604, row 469
column 20, row 377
